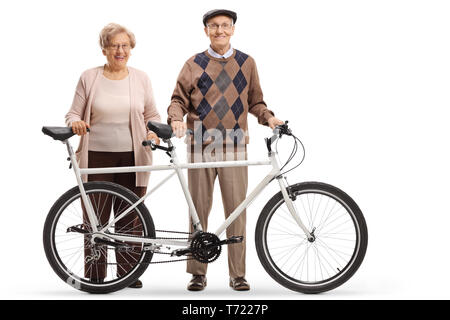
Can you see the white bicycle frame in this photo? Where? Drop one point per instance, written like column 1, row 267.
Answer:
column 177, row 167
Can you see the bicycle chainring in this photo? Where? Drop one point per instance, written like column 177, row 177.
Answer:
column 205, row 247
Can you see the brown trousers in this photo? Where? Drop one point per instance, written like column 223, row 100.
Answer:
column 233, row 186
column 128, row 224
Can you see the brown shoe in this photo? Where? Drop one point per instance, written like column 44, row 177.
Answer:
column 136, row 285
column 239, row 284
column 197, row 283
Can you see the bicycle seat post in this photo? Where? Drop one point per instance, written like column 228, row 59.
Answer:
column 184, row 186
column 88, row 205
column 69, row 148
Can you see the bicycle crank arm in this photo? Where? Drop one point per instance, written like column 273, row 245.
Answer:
column 233, row 239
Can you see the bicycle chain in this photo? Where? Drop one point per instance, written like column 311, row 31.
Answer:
column 154, row 262
column 167, row 253
column 158, row 238
column 167, row 231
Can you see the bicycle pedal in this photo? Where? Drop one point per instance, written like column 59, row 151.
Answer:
column 77, row 228
column 233, row 239
column 180, row 252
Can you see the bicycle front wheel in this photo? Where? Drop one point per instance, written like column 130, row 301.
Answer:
column 97, row 267
column 321, row 264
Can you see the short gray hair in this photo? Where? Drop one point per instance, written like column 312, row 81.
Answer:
column 110, row 31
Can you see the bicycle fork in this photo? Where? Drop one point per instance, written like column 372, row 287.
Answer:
column 287, row 199
column 292, row 208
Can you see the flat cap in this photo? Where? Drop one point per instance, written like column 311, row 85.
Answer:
column 219, row 12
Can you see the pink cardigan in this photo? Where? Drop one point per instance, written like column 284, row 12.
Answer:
column 143, row 109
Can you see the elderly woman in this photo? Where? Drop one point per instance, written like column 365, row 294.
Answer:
column 115, row 102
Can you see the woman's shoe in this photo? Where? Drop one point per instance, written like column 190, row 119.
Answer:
column 136, row 285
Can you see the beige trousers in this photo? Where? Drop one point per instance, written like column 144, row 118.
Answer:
column 233, row 186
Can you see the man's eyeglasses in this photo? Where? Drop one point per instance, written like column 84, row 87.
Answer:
column 224, row 26
column 125, row 47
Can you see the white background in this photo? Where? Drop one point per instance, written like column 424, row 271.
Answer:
column 363, row 83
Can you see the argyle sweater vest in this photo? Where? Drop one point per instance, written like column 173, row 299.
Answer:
column 217, row 95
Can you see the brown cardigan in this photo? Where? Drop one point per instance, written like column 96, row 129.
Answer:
column 142, row 110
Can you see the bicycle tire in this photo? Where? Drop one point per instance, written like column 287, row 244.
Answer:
column 267, row 255
column 54, row 257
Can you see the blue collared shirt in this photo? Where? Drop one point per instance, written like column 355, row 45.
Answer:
column 216, row 55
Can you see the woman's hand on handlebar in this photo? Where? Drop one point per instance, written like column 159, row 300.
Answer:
column 273, row 122
column 80, row 127
column 179, row 128
column 154, row 137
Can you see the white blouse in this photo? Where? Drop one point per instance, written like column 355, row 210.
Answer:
column 110, row 117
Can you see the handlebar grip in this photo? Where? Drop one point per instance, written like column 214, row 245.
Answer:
column 278, row 132
column 87, row 129
column 148, row 142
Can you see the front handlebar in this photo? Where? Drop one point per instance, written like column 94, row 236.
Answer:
column 278, row 132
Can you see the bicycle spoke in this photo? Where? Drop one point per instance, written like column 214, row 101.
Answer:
column 305, row 211
column 312, row 209
column 289, row 215
column 75, row 214
column 291, row 256
column 288, row 248
column 130, row 231
column 316, row 214
column 328, row 263
column 287, row 233
column 288, row 230
column 323, row 211
column 320, row 263
column 120, row 206
column 330, row 251
column 66, row 240
column 330, row 223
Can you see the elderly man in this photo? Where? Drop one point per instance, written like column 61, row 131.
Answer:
column 217, row 88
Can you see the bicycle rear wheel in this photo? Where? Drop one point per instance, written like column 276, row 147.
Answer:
column 329, row 260
column 97, row 268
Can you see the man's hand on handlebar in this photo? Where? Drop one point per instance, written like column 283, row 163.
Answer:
column 273, row 122
column 178, row 128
